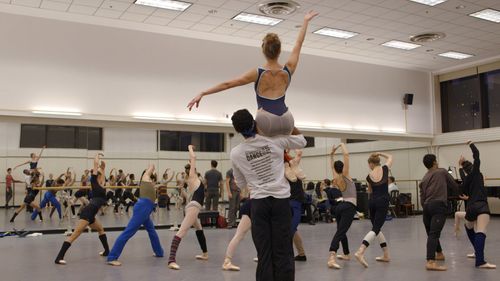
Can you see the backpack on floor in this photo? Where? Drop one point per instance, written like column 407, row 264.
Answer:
column 221, row 222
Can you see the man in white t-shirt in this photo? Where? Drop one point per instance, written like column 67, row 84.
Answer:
column 258, row 162
column 392, row 185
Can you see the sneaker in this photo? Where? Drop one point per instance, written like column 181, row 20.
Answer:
column 300, row 258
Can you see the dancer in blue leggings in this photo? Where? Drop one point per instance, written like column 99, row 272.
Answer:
column 50, row 196
column 142, row 216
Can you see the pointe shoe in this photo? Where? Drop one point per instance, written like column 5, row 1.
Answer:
column 289, row 173
column 383, row 259
column 174, row 266
column 61, row 262
column 332, row 263
column 471, row 256
column 440, row 257
column 361, row 259
column 202, row 257
column 432, row 266
column 344, row 257
column 114, row 263
column 487, row 266
column 256, row 259
column 228, row 266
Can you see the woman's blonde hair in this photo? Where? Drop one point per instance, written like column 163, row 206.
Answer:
column 271, row 46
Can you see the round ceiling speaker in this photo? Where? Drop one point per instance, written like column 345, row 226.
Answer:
column 427, row 37
column 278, row 8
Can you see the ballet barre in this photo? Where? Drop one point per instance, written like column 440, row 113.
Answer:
column 88, row 187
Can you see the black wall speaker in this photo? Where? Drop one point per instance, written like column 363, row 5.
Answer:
column 408, row 99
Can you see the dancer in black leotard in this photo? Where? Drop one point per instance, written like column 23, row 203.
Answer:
column 346, row 206
column 477, row 213
column 33, row 161
column 195, row 196
column 378, row 185
column 88, row 214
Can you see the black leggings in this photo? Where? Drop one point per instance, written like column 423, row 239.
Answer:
column 344, row 214
column 378, row 212
column 434, row 219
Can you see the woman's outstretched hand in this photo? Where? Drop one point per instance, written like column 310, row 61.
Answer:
column 195, row 102
column 310, row 15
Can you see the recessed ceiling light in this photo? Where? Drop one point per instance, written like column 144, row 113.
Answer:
column 252, row 18
column 429, row 2
column 337, row 33
column 487, row 14
column 455, row 55
column 165, row 4
column 400, row 45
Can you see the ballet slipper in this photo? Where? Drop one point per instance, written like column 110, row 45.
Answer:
column 487, row 266
column 361, row 259
column 440, row 257
column 103, row 254
column 256, row 259
column 289, row 174
column 174, row 266
column 471, row 256
column 332, row 263
column 432, row 266
column 383, row 259
column 344, row 257
column 203, row 257
column 114, row 263
column 228, row 266
column 61, row 262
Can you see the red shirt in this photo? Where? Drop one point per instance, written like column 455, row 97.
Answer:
column 9, row 180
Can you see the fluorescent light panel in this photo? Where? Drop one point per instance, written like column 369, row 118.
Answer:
column 337, row 33
column 165, row 4
column 429, row 2
column 258, row 19
column 455, row 55
column 56, row 113
column 401, row 45
column 487, row 14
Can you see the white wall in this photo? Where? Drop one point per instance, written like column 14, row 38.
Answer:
column 114, row 72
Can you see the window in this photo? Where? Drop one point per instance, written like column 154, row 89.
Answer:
column 491, row 83
column 179, row 141
column 471, row 102
column 357, row 140
column 310, row 141
column 34, row 136
column 461, row 104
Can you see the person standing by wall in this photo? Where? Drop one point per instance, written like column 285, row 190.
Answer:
column 233, row 194
column 213, row 179
column 9, row 187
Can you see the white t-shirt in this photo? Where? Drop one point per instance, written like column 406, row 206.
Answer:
column 258, row 163
column 392, row 187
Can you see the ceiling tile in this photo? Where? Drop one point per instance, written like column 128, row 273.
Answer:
column 115, row 5
column 190, row 17
column 181, row 23
column 27, row 3
column 133, row 17
column 157, row 20
column 106, row 13
column 92, row 3
column 83, row 10
column 224, row 30
column 53, row 5
column 203, row 27
column 164, row 13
